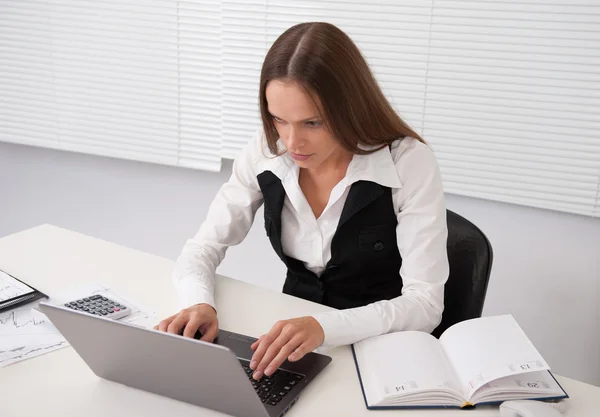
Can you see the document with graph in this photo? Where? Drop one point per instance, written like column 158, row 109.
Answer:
column 14, row 292
column 26, row 333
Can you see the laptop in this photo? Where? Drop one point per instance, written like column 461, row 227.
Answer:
column 212, row 375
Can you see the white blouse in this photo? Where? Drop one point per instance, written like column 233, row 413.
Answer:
column 409, row 168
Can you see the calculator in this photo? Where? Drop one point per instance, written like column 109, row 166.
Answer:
column 100, row 306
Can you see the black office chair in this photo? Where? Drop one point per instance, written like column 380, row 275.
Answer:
column 470, row 257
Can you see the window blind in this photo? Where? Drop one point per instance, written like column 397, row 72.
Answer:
column 507, row 93
column 200, row 54
column 245, row 44
column 131, row 79
column 513, row 104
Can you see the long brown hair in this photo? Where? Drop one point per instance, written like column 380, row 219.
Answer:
column 322, row 59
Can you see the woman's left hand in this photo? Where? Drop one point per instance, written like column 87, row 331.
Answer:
column 287, row 339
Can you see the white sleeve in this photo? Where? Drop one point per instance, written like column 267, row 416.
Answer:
column 229, row 219
column 422, row 235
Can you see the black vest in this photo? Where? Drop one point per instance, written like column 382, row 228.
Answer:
column 365, row 262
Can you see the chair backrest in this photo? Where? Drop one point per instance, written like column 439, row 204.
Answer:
column 470, row 257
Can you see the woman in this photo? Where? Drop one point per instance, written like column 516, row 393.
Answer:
column 353, row 200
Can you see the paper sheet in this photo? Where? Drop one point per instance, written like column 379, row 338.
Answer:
column 26, row 333
column 10, row 287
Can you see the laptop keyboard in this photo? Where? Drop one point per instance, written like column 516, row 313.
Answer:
column 271, row 389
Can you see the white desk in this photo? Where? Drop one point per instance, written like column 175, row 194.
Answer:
column 60, row 384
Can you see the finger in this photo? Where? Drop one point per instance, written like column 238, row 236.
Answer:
column 264, row 343
column 177, row 324
column 162, row 326
column 192, row 327
column 272, row 351
column 254, row 345
column 284, row 352
column 299, row 352
column 211, row 333
column 262, row 347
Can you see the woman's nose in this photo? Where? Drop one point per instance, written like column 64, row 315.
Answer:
column 293, row 140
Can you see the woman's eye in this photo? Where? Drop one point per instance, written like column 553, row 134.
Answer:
column 313, row 123
column 278, row 120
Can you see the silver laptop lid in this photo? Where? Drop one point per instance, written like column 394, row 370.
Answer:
column 185, row 369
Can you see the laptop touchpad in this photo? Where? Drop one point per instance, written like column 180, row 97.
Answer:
column 239, row 344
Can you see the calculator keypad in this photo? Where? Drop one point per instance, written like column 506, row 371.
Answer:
column 100, row 306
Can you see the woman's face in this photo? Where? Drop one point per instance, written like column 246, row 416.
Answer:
column 301, row 129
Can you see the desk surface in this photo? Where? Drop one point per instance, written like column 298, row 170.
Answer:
column 60, row 383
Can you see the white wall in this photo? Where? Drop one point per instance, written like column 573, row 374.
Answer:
column 545, row 263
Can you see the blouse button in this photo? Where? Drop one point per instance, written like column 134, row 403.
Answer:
column 378, row 246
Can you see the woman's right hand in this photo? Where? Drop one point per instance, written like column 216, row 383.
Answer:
column 199, row 317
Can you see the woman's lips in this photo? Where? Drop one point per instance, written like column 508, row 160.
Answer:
column 299, row 157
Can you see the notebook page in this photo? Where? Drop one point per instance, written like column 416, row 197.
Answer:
column 483, row 349
column 401, row 363
column 530, row 385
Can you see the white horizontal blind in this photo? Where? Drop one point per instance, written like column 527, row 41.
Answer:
column 200, row 83
column 513, row 101
column 244, row 47
column 104, row 78
column 26, row 75
column 507, row 93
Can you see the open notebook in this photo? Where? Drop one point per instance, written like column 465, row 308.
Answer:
column 483, row 360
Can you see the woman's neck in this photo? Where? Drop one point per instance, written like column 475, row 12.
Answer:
column 335, row 165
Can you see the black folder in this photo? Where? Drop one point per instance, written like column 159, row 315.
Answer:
column 9, row 284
